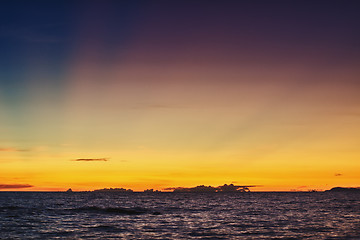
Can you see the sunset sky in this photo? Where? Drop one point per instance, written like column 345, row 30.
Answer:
column 157, row 94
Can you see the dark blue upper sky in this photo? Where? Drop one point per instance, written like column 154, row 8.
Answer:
column 49, row 32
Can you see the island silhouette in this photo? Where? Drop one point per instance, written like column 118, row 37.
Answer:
column 226, row 188
column 345, row 189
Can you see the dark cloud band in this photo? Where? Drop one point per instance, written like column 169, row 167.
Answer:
column 11, row 186
column 91, row 160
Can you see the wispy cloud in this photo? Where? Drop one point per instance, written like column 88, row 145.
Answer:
column 11, row 149
column 91, row 160
column 338, row 174
column 13, row 186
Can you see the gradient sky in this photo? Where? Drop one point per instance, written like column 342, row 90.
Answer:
column 156, row 94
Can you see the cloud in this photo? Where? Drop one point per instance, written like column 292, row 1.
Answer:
column 11, row 149
column 11, row 186
column 91, row 160
column 338, row 174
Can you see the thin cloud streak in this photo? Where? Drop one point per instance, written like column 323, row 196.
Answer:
column 91, row 160
column 12, row 186
column 13, row 150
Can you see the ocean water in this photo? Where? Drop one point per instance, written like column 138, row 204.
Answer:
column 92, row 215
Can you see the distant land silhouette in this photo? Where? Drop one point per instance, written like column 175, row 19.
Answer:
column 345, row 189
column 226, row 188
column 197, row 189
column 120, row 190
column 223, row 188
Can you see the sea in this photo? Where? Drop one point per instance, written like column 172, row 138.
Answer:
column 106, row 215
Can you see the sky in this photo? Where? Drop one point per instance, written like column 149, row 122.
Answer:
column 158, row 94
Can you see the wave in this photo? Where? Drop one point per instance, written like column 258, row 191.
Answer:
column 87, row 209
column 115, row 210
column 106, row 228
column 11, row 208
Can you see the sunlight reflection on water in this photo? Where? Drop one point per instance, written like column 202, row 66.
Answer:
column 179, row 215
